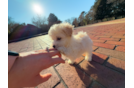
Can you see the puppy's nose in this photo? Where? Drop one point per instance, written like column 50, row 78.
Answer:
column 53, row 46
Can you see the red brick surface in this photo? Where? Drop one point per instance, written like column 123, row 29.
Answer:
column 96, row 85
column 94, row 38
column 120, row 48
column 102, row 41
column 118, row 36
column 73, row 77
column 104, row 36
column 78, row 60
column 109, row 46
column 115, row 39
column 98, row 57
column 54, row 79
column 94, row 47
column 60, row 86
column 122, row 40
column 103, row 75
column 112, row 53
column 116, row 43
column 107, row 68
column 116, row 64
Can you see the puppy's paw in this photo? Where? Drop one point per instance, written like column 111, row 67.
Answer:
column 70, row 62
column 88, row 59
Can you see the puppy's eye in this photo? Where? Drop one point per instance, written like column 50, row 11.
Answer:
column 58, row 38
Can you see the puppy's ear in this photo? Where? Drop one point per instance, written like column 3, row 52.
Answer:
column 68, row 30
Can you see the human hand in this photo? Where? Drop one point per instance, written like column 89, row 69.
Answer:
column 26, row 69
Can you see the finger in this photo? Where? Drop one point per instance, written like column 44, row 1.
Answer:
column 51, row 49
column 42, row 78
column 52, row 62
column 55, row 53
column 57, row 60
column 59, row 55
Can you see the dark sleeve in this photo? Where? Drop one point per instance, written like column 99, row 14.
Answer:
column 13, row 53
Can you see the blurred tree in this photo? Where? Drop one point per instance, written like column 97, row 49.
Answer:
column 23, row 24
column 90, row 15
column 44, row 28
column 38, row 21
column 118, row 8
column 70, row 20
column 75, row 22
column 10, row 23
column 52, row 18
column 109, row 8
column 81, row 18
column 101, row 10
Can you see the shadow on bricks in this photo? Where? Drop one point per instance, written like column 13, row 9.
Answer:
column 105, row 76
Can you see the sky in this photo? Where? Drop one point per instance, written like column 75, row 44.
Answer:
column 22, row 11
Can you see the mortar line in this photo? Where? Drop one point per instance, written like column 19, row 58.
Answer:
column 56, row 84
column 105, row 61
column 115, row 47
column 60, row 78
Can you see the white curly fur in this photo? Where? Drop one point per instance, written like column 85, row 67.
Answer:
column 72, row 46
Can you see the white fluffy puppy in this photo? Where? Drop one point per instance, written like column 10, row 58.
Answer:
column 71, row 46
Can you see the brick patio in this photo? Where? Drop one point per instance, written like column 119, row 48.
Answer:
column 107, row 70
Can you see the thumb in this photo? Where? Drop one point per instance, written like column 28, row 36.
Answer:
column 43, row 78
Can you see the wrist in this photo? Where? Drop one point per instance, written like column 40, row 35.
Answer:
column 11, row 60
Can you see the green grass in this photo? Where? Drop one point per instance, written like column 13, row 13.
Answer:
column 105, row 19
column 112, row 18
column 119, row 17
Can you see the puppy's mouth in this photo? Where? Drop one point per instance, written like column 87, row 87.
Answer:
column 54, row 46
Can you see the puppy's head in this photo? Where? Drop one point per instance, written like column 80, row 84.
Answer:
column 61, row 34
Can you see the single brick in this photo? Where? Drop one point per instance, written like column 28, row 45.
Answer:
column 116, row 43
column 94, row 47
column 102, row 41
column 94, row 38
column 116, row 64
column 121, row 32
column 52, row 81
column 115, row 39
column 105, row 76
column 99, row 34
column 113, row 53
column 109, row 46
column 72, row 76
column 118, row 36
column 104, row 36
column 122, row 40
column 120, row 48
